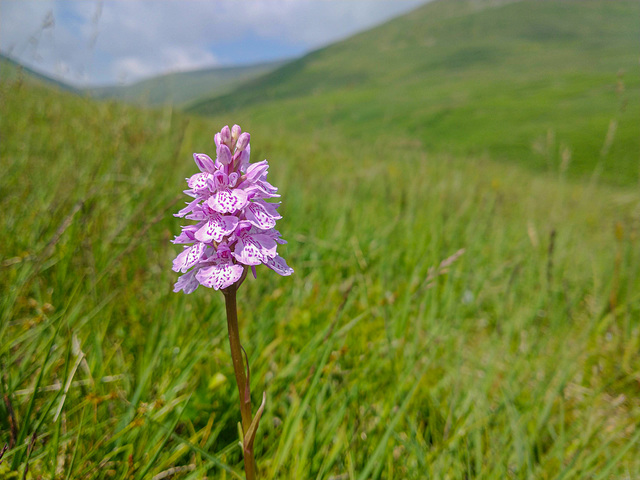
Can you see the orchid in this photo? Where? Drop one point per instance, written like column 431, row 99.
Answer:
column 235, row 228
column 235, row 231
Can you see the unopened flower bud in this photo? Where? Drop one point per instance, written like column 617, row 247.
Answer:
column 224, row 154
column 235, row 133
column 225, row 135
column 243, row 141
column 205, row 164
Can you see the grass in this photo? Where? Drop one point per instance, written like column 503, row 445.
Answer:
column 465, row 299
column 450, row 316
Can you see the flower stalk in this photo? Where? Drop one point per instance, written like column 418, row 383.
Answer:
column 242, row 379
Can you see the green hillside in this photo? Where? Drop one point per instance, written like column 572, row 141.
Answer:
column 548, row 84
column 390, row 353
column 183, row 88
column 12, row 71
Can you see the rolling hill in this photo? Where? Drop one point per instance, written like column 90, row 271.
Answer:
column 549, row 84
column 179, row 88
column 183, row 88
column 11, row 70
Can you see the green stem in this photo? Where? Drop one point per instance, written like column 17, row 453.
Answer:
column 241, row 377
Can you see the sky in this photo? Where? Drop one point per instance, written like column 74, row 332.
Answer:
column 100, row 42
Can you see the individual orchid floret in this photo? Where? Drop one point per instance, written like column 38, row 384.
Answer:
column 235, row 228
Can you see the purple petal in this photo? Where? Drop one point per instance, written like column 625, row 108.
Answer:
column 223, row 251
column 190, row 192
column 235, row 132
column 178, row 262
column 186, row 282
column 190, row 206
column 197, row 214
column 220, row 180
column 204, row 163
column 242, row 159
column 227, row 200
column 248, row 253
column 267, row 186
column 255, row 171
column 275, row 234
column 225, row 135
column 279, row 265
column 271, row 208
column 188, row 257
column 220, row 276
column 216, row 228
column 258, row 215
column 198, row 182
column 267, row 243
column 243, row 141
column 187, row 235
column 256, row 191
column 224, row 154
column 254, row 249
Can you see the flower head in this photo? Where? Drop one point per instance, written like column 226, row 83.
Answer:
column 235, row 222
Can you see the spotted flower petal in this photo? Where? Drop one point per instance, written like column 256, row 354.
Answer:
column 254, row 249
column 216, row 228
column 279, row 265
column 221, row 275
column 226, row 200
column 189, row 257
column 187, row 283
column 260, row 215
column 198, row 182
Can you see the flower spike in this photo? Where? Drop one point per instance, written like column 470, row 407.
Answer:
column 236, row 226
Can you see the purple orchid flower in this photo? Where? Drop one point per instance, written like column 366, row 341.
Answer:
column 235, row 228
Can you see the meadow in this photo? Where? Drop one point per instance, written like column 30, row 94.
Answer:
column 454, row 314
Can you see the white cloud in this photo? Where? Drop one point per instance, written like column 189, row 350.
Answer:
column 95, row 41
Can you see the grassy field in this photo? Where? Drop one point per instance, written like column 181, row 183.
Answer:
column 451, row 316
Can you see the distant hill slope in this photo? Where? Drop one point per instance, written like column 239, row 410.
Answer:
column 11, row 70
column 182, row 88
column 552, row 84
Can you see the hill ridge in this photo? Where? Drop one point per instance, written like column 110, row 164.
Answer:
column 11, row 68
